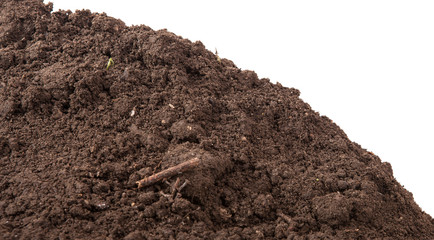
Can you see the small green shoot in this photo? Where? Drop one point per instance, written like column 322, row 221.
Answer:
column 110, row 63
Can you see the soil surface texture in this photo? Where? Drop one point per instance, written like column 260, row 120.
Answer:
column 76, row 136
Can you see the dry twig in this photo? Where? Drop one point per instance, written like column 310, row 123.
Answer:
column 167, row 173
column 174, row 187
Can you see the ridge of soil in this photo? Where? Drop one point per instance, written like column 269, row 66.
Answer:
column 75, row 138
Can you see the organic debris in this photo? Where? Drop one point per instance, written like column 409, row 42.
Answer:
column 75, row 138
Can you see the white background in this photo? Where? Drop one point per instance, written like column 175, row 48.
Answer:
column 368, row 65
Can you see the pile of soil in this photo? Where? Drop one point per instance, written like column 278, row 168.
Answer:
column 75, row 138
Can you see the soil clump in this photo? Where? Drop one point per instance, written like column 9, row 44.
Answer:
column 76, row 137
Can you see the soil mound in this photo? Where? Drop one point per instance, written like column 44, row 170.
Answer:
column 75, row 137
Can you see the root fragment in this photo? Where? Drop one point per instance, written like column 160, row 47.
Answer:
column 167, row 173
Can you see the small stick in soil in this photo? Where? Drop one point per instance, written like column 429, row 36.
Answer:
column 167, row 173
column 174, row 187
column 183, row 185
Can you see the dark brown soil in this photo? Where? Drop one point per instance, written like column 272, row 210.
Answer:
column 75, row 138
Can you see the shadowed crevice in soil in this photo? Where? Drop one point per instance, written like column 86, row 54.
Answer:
column 76, row 137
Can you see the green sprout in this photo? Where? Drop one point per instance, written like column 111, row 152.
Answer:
column 110, row 63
